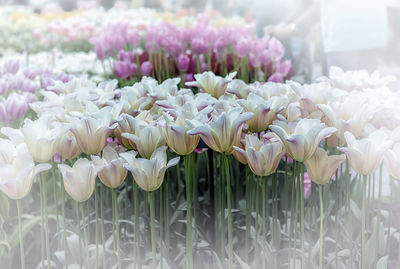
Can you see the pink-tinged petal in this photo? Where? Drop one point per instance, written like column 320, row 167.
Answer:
column 295, row 147
column 173, row 162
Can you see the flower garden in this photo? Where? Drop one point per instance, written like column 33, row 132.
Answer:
column 137, row 139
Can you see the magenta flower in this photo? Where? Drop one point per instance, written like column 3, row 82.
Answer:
column 183, row 62
column 133, row 38
column 145, row 68
column 124, row 69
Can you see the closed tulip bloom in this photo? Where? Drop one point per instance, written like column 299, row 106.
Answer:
column 176, row 135
column 147, row 138
column 149, row 173
column 17, row 169
column 126, row 124
column 79, row 180
column 91, row 133
column 392, row 160
column 223, row 131
column 366, row 154
column 113, row 172
column 301, row 138
column 67, row 146
column 210, row 83
column 263, row 155
column 321, row 167
column 41, row 138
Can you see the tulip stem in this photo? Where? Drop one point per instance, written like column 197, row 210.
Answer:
column 263, row 227
column 256, row 223
column 102, row 225
column 152, row 228
column 64, row 237
column 321, row 226
column 248, row 212
column 228, row 200
column 21, row 239
column 41, row 221
column 188, row 175
column 78, row 215
column 137, row 225
column 364, row 189
column 97, row 225
column 85, row 232
column 46, row 225
column 302, row 213
column 116, row 223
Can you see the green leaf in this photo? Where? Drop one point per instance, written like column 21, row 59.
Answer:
column 27, row 226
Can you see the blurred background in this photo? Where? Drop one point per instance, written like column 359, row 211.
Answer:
column 352, row 34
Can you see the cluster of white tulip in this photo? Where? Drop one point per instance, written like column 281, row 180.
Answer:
column 81, row 117
column 105, row 132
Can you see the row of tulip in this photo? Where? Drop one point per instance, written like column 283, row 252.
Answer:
column 103, row 131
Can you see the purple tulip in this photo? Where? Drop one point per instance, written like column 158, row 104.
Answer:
column 133, row 38
column 145, row 68
column 13, row 107
column 11, row 66
column 183, row 62
column 198, row 46
column 129, row 56
column 124, row 69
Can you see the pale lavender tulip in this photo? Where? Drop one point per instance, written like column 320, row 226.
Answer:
column 41, row 137
column 321, row 167
column 17, row 169
column 80, row 179
column 147, row 137
column 113, row 172
column 223, row 131
column 210, row 83
column 265, row 111
column 263, row 155
column 149, row 173
column 176, row 136
column 366, row 154
column 91, row 133
column 301, row 138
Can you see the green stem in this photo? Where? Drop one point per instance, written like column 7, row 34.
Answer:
column 321, row 226
column 379, row 207
column 97, row 226
column 64, row 237
column 248, row 212
column 152, row 228
column 21, row 239
column 46, row 225
column 137, row 224
column 302, row 213
column 116, row 223
column 188, row 175
column 41, row 221
column 85, row 234
column 364, row 190
column 256, row 224
column 228, row 199
column 263, row 227
column 78, row 224
column 102, row 226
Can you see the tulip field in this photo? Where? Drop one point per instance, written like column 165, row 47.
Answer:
column 138, row 139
